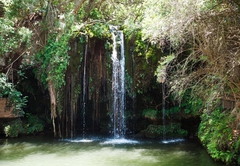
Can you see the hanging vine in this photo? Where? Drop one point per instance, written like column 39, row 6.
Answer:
column 54, row 60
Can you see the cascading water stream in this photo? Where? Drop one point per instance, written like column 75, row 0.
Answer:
column 118, row 82
column 163, row 111
column 84, row 91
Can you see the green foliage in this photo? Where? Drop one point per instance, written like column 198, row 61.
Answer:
column 95, row 26
column 34, row 124
column 4, row 85
column 12, row 36
column 16, row 99
column 14, row 128
column 216, row 135
column 176, row 110
column 145, row 58
column 189, row 106
column 173, row 129
column 150, row 114
column 22, row 8
column 129, row 85
column 54, row 60
column 141, row 47
column 169, row 19
column 162, row 67
column 192, row 104
column 7, row 39
column 98, row 29
column 96, row 14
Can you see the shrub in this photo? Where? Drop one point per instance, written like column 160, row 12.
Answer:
column 173, row 129
column 14, row 128
column 34, row 124
column 7, row 89
column 150, row 114
column 217, row 136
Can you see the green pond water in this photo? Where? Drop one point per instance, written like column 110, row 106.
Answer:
column 47, row 151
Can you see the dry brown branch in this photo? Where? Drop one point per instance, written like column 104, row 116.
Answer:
column 215, row 59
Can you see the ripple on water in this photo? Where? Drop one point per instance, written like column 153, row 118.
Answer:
column 119, row 141
column 82, row 140
column 78, row 140
column 172, row 141
column 128, row 152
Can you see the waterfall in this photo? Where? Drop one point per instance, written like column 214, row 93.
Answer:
column 163, row 112
column 84, row 90
column 118, row 82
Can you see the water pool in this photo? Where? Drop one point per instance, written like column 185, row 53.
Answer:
column 47, row 151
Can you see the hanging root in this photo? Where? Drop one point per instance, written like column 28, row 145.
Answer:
column 52, row 94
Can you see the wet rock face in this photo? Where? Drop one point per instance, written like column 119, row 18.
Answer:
column 6, row 109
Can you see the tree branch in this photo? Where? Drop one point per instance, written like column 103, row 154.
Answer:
column 78, row 5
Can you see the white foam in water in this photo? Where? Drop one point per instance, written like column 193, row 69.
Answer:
column 120, row 141
column 172, row 141
column 82, row 140
column 78, row 140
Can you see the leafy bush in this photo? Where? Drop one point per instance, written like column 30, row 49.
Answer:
column 150, row 114
column 16, row 99
column 14, row 128
column 189, row 106
column 161, row 71
column 217, row 136
column 34, row 124
column 173, row 129
column 11, row 35
column 54, row 60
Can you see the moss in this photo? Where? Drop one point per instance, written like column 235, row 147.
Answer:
column 76, row 54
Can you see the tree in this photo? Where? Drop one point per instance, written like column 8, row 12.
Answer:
column 204, row 38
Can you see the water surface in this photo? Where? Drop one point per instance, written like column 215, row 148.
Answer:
column 45, row 151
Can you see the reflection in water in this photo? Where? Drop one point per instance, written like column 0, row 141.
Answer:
column 100, row 152
column 119, row 141
column 172, row 141
column 84, row 140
